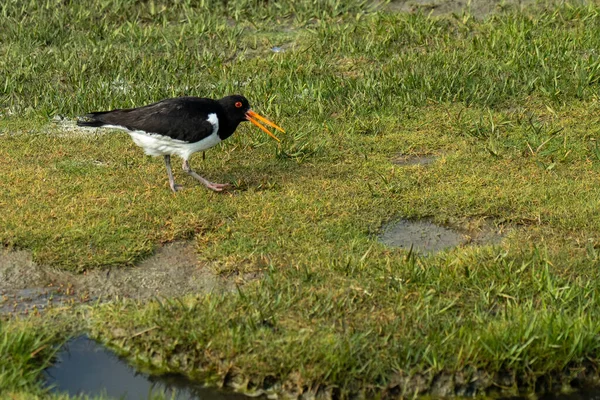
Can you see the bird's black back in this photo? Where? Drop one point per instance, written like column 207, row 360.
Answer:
column 182, row 118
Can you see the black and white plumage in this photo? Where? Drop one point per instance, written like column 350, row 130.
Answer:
column 181, row 126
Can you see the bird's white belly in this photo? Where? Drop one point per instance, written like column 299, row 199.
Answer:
column 158, row 145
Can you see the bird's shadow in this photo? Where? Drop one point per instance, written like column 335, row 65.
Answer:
column 268, row 176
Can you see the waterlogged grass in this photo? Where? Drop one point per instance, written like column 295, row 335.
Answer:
column 23, row 357
column 30, row 345
column 27, row 348
column 509, row 105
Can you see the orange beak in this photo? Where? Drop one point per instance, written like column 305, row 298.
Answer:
column 253, row 117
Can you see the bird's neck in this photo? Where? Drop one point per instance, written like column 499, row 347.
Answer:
column 226, row 128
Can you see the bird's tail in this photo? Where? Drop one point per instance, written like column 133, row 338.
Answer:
column 93, row 120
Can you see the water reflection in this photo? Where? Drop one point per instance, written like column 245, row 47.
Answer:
column 85, row 367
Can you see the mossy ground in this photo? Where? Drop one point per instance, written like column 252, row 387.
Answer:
column 508, row 104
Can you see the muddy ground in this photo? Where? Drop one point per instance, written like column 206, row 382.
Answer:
column 477, row 8
column 427, row 238
column 172, row 271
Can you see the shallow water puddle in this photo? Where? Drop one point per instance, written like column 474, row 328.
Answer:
column 85, row 367
column 425, row 237
column 30, row 300
column 422, row 236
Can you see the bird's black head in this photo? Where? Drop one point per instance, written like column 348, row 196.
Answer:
column 236, row 107
column 238, row 110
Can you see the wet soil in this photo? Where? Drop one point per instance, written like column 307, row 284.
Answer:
column 584, row 385
column 85, row 367
column 172, row 271
column 426, row 237
column 477, row 8
column 421, row 236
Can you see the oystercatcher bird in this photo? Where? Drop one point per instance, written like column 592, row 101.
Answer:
column 181, row 126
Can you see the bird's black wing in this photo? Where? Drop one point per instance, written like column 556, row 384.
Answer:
column 183, row 118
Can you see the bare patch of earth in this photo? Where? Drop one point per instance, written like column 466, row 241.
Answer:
column 477, row 8
column 426, row 237
column 27, row 287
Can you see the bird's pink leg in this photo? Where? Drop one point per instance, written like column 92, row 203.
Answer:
column 217, row 187
column 174, row 187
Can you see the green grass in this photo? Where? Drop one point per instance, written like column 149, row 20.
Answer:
column 27, row 348
column 30, row 345
column 508, row 104
column 24, row 355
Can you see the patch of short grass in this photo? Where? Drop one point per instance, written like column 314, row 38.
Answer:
column 507, row 104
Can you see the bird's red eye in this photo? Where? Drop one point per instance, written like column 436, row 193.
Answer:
column 238, row 104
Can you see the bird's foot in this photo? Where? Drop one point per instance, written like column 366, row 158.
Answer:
column 217, row 187
column 176, row 188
